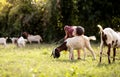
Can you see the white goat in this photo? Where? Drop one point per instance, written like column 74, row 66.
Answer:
column 118, row 33
column 111, row 39
column 34, row 38
column 14, row 39
column 3, row 41
column 77, row 42
column 21, row 42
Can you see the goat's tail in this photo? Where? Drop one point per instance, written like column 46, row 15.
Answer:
column 101, row 31
column 92, row 38
column 6, row 38
column 100, row 27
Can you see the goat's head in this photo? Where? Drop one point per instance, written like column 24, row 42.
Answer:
column 25, row 35
column 55, row 53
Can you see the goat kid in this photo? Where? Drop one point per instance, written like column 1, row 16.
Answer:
column 111, row 39
column 75, row 43
column 3, row 41
column 14, row 40
column 21, row 42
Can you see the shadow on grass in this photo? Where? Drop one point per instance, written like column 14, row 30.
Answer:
column 106, row 64
column 65, row 60
column 102, row 64
column 109, row 64
column 70, row 61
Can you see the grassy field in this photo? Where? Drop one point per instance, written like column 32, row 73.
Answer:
column 35, row 61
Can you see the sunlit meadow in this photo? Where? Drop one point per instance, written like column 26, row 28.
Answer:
column 35, row 61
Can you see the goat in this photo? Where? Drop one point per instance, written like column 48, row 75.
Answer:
column 36, row 38
column 21, row 42
column 14, row 40
column 71, row 31
column 75, row 43
column 118, row 33
column 3, row 41
column 31, row 38
column 111, row 39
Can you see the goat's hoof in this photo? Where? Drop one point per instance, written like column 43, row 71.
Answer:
column 113, row 61
column 109, row 62
column 71, row 59
column 100, row 62
column 79, row 58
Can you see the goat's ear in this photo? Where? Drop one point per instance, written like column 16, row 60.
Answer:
column 52, row 53
column 56, row 50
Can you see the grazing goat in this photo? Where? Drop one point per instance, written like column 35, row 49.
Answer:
column 77, row 42
column 32, row 38
column 21, row 42
column 111, row 39
column 3, row 41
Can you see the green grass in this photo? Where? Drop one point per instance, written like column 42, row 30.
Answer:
column 35, row 61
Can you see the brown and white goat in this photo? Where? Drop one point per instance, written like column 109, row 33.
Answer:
column 75, row 43
column 32, row 38
column 111, row 39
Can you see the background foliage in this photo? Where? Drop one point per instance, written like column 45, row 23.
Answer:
column 48, row 17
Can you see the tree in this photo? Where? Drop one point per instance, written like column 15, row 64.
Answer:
column 48, row 17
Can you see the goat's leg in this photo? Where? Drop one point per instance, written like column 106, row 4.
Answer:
column 23, row 44
column 5, row 44
column 91, row 50
column 101, row 50
column 78, row 52
column 114, row 54
column 29, row 41
column 71, row 56
column 38, row 41
column 93, row 54
column 109, row 47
